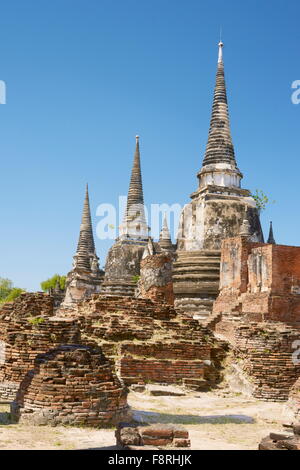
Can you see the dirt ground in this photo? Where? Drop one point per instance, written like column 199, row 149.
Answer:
column 215, row 420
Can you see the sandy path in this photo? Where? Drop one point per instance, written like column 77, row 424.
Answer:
column 214, row 421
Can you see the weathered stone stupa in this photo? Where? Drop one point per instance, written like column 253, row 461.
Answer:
column 86, row 277
column 123, row 259
column 217, row 211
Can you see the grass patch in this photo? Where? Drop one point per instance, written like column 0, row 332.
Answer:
column 35, row 320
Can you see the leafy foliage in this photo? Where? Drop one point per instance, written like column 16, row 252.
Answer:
column 52, row 282
column 261, row 199
column 8, row 292
column 6, row 287
column 14, row 293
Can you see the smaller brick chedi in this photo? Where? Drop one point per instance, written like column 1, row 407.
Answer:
column 216, row 212
column 86, row 277
column 71, row 385
column 123, row 259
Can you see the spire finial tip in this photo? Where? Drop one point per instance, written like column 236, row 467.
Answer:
column 220, row 57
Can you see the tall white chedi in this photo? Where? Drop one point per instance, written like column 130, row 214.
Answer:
column 216, row 211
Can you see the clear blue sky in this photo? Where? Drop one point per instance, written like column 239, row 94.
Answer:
column 85, row 76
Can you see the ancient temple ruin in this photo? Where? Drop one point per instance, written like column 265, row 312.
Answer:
column 85, row 278
column 123, row 260
column 217, row 211
column 217, row 303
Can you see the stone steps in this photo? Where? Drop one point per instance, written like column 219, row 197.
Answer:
column 196, row 261
column 118, row 289
column 201, row 276
column 196, row 276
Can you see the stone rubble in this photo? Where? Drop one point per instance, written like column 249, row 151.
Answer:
column 156, row 436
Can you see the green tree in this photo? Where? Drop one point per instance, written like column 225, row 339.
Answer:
column 261, row 199
column 6, row 287
column 8, row 292
column 14, row 293
column 52, row 282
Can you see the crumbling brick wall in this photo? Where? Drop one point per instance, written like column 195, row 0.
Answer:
column 149, row 342
column 23, row 340
column 266, row 352
column 159, row 371
column 163, row 362
column 259, row 282
column 51, row 373
column 28, row 305
column 128, row 330
column 258, row 309
column 27, row 329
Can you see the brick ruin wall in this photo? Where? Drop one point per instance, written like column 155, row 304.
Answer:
column 259, row 282
column 144, row 340
column 28, row 329
column 258, row 311
column 50, row 373
column 28, row 305
column 266, row 355
column 24, row 341
column 150, row 343
column 163, row 363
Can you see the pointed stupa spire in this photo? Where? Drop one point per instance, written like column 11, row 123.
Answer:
column 85, row 278
column 165, row 232
column 220, row 57
column 165, row 241
column 135, row 193
column 219, row 153
column 86, row 246
column 219, row 147
column 271, row 239
column 86, row 237
column 134, row 222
